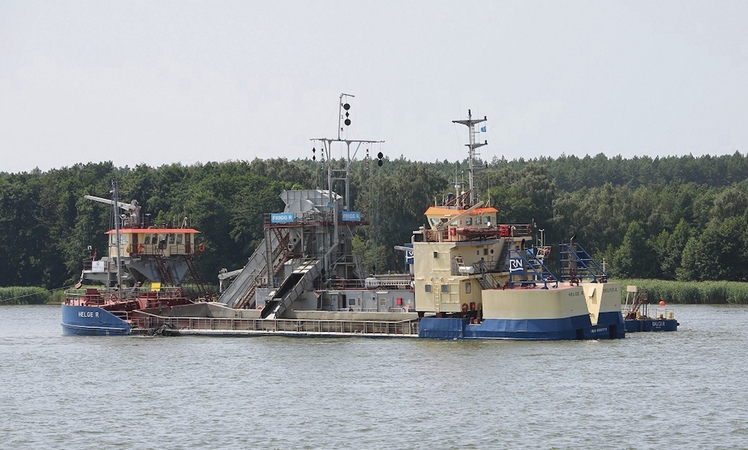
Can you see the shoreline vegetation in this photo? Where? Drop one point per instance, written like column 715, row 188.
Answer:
column 671, row 218
column 23, row 295
column 671, row 292
column 690, row 292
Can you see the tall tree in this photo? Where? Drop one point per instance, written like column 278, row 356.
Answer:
column 636, row 257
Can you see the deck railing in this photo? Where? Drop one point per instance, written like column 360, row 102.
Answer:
column 90, row 295
column 404, row 328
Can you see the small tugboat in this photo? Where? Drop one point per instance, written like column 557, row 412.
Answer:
column 637, row 316
column 467, row 278
column 138, row 253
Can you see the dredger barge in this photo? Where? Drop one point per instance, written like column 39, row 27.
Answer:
column 467, row 278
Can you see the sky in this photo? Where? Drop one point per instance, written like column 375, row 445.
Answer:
column 162, row 82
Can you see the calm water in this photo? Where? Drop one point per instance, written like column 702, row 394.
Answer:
column 687, row 389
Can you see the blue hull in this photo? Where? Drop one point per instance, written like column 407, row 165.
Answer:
column 92, row 321
column 610, row 326
column 633, row 326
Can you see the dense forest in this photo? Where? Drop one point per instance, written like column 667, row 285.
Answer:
column 673, row 218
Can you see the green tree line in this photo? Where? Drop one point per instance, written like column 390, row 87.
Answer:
column 674, row 218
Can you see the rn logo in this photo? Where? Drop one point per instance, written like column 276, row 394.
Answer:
column 515, row 265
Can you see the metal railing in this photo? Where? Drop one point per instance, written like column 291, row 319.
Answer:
column 498, row 231
column 91, row 295
column 147, row 321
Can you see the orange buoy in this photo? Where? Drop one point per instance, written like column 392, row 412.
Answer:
column 662, row 303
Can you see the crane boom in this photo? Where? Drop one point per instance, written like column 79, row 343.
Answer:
column 133, row 207
column 123, row 205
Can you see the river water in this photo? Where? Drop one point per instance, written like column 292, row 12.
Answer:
column 685, row 389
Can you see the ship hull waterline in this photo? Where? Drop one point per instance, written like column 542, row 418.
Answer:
column 610, row 326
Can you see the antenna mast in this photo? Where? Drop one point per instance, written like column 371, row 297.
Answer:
column 340, row 174
column 472, row 146
column 326, row 150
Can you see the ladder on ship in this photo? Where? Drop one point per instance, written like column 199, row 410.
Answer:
column 525, row 263
column 576, row 264
column 641, row 298
column 488, row 281
column 164, row 271
column 197, row 276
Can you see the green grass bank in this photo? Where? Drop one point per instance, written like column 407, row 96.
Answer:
column 17, row 295
column 690, row 292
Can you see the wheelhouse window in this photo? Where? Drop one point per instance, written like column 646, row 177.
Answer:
column 179, row 238
column 468, row 288
column 147, row 239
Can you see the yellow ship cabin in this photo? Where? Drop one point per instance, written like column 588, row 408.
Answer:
column 163, row 242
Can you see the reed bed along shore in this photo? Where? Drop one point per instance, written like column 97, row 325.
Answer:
column 690, row 292
column 17, row 295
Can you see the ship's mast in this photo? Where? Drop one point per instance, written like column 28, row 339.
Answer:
column 116, row 233
column 472, row 146
column 340, row 174
column 326, row 149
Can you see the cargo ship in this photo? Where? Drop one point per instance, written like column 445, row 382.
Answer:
column 468, row 278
